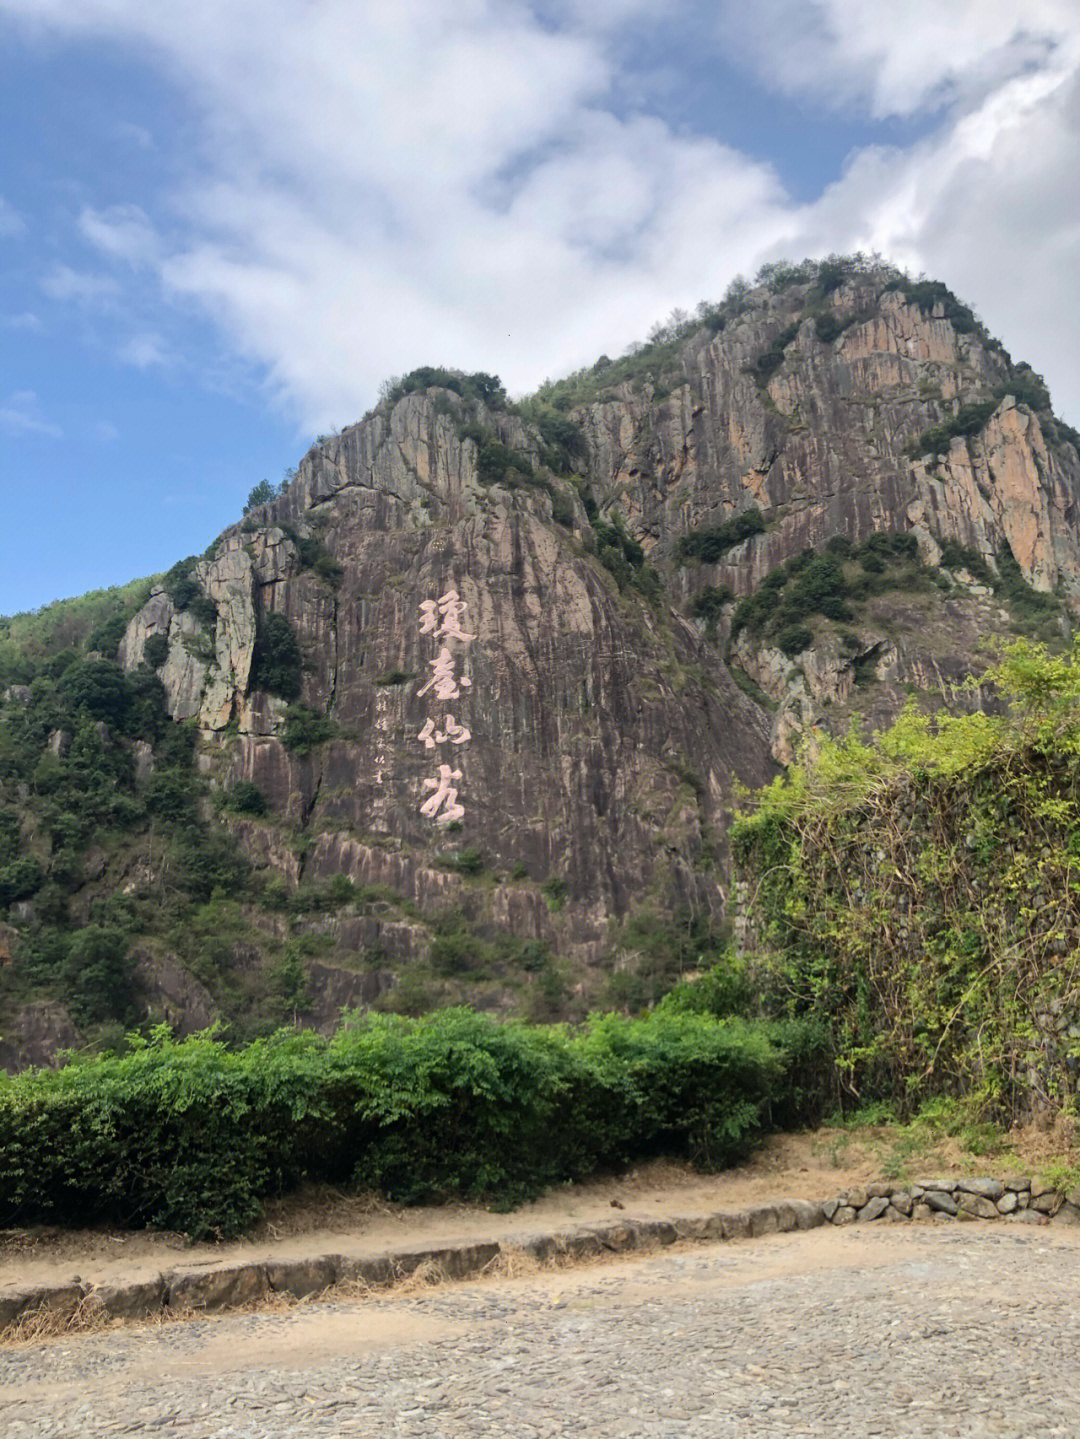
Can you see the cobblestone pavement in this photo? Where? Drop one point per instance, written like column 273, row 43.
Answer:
column 951, row 1330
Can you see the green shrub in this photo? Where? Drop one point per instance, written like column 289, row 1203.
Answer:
column 341, row 889
column 793, row 639
column 913, row 894
column 478, row 386
column 767, row 364
column 245, row 797
column 555, row 888
column 10, row 838
column 711, row 544
column 828, row 328
column 305, row 728
column 820, row 588
column 497, row 464
column 98, row 687
column 709, row 605
column 262, row 494
column 562, row 510
column 20, row 879
column 170, row 795
column 277, row 665
column 969, row 420
column 180, row 584
column 832, row 272
column 927, row 294
column 466, row 861
column 190, row 1135
column 955, row 556
column 389, row 678
column 207, row 862
column 313, row 555
column 156, row 651
column 96, row 975
column 106, row 638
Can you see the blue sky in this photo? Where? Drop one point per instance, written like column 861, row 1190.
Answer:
column 222, row 225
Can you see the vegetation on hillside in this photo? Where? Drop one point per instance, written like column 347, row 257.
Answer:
column 94, row 621
column 918, row 893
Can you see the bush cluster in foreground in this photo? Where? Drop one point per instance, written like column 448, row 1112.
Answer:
column 190, row 1135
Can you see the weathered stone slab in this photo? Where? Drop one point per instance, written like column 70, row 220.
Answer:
column 976, row 1205
column 735, row 1225
column 808, row 1214
column 763, row 1220
column 302, row 1277
column 618, row 1237
column 844, row 1215
column 873, row 1209
column 655, row 1231
column 786, row 1219
column 986, row 1188
column 212, row 1289
column 1048, row 1202
column 705, row 1226
column 940, row 1200
column 129, row 1301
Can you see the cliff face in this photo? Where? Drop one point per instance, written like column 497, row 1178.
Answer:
column 579, row 697
column 532, row 660
column 821, row 446
column 489, row 685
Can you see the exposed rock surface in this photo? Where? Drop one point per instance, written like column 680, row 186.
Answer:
column 493, row 692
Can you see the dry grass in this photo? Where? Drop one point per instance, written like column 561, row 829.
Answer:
column 56, row 1322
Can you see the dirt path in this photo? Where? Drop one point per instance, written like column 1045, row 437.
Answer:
column 804, row 1166
column 961, row 1330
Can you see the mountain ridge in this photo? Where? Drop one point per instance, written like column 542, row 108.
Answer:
column 812, row 501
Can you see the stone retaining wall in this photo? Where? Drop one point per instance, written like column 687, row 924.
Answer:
column 208, row 1287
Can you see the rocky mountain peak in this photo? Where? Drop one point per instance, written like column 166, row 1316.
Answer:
column 504, row 666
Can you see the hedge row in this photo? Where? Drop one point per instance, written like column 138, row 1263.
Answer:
column 193, row 1136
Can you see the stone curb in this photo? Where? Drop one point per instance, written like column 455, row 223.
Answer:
column 212, row 1288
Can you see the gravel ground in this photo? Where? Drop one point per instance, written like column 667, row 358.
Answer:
column 946, row 1330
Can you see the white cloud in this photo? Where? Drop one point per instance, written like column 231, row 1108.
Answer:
column 26, row 320
column 898, row 57
column 990, row 205
column 137, row 135
column 64, row 283
column 104, row 431
column 20, row 415
column 12, row 223
column 145, row 350
column 123, row 232
column 380, row 187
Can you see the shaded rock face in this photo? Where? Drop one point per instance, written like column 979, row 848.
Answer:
column 35, row 1034
column 491, row 687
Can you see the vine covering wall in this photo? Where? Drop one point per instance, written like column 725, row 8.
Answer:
column 921, row 893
